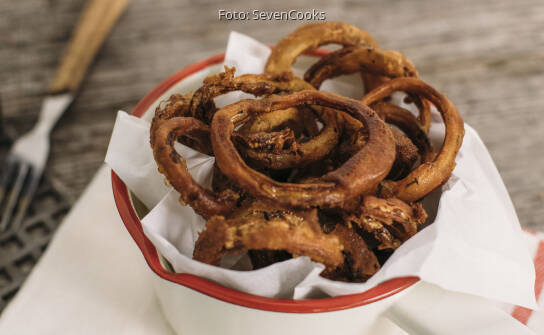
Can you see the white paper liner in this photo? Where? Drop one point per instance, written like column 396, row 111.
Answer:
column 473, row 246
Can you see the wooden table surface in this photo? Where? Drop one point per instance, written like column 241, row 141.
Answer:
column 487, row 56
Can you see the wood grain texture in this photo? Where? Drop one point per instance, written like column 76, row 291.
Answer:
column 487, row 56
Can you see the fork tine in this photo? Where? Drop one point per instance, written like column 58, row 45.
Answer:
column 13, row 196
column 26, row 197
column 5, row 174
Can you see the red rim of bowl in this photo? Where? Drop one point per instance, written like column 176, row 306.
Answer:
column 207, row 287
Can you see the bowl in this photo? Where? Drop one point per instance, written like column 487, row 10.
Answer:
column 195, row 305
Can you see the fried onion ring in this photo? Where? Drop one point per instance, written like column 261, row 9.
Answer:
column 292, row 118
column 176, row 105
column 363, row 59
column 302, row 120
column 359, row 262
column 385, row 63
column 298, row 154
column 267, row 229
column 429, row 175
column 407, row 155
column 360, row 174
column 408, row 123
column 389, row 222
column 411, row 144
column 203, row 108
column 311, row 36
column 286, row 151
column 174, row 167
column 263, row 226
column 415, row 137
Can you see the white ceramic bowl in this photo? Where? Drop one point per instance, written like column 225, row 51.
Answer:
column 194, row 305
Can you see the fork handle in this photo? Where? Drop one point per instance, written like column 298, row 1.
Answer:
column 93, row 26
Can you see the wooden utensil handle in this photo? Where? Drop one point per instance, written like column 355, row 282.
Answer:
column 93, row 26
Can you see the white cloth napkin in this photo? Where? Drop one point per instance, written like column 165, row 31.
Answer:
column 92, row 279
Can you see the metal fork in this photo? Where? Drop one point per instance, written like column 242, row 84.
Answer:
column 24, row 165
column 21, row 173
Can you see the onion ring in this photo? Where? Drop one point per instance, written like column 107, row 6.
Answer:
column 297, row 154
column 202, row 106
column 360, row 174
column 359, row 262
column 263, row 226
column 311, row 36
column 408, row 123
column 174, row 167
column 429, row 175
column 387, row 223
column 176, row 105
column 300, row 120
column 424, row 108
column 364, row 59
column 415, row 136
column 267, row 229
column 385, row 63
column 407, row 155
column 354, row 137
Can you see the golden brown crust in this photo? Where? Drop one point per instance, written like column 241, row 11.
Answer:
column 261, row 226
column 203, row 108
column 176, row 105
column 359, row 262
column 264, row 227
column 390, row 222
column 292, row 118
column 385, row 64
column 360, row 174
column 414, row 138
column 408, row 123
column 429, row 175
column 388, row 63
column 407, row 155
column 257, row 145
column 309, row 37
column 174, row 167
column 424, row 108
column 286, row 151
column 411, row 144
